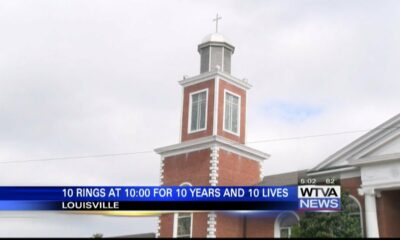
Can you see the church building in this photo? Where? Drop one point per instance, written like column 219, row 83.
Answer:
column 212, row 152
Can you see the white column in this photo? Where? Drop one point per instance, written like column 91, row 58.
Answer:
column 371, row 216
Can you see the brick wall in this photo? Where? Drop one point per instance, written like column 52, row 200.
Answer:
column 234, row 170
column 258, row 226
column 388, row 207
column 229, row 225
column 237, row 170
column 166, row 225
column 191, row 167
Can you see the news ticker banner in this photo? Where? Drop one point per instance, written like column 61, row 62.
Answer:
column 171, row 198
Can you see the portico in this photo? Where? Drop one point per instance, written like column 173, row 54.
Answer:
column 374, row 159
column 380, row 176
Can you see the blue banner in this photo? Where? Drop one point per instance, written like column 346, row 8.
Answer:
column 150, row 193
column 147, row 198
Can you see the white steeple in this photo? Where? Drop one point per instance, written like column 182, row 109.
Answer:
column 215, row 52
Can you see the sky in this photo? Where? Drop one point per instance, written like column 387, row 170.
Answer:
column 97, row 77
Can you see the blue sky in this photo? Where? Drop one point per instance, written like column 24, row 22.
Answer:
column 291, row 112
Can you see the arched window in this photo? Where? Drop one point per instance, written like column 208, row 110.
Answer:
column 284, row 223
column 183, row 222
column 354, row 210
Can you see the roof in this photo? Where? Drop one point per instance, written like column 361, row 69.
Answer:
column 283, row 179
column 140, row 235
column 359, row 147
column 207, row 142
column 214, row 37
column 241, row 83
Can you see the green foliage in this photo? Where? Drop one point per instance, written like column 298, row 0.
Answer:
column 330, row 225
column 97, row 235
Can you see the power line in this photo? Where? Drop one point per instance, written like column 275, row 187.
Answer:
column 76, row 157
column 320, row 135
column 309, row 136
column 150, row 151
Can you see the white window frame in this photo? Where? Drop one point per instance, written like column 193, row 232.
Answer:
column 361, row 213
column 277, row 227
column 289, row 229
column 239, row 112
column 190, row 111
column 175, row 234
column 175, row 227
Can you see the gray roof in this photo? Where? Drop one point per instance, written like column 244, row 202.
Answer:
column 214, row 37
column 140, row 235
column 283, row 179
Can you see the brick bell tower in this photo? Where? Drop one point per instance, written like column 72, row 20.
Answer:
column 212, row 151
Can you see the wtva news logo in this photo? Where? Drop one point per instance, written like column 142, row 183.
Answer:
column 319, row 197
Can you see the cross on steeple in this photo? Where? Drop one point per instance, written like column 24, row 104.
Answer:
column 216, row 19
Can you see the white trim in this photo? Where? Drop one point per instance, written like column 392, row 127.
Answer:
column 209, row 60
column 211, row 225
column 350, row 174
column 158, row 227
column 344, row 173
column 216, row 106
column 212, row 74
column 223, row 60
column 245, row 116
column 376, row 145
column 372, row 136
column 185, row 184
column 239, row 112
column 361, row 213
column 323, row 172
column 175, row 226
column 383, row 185
column 201, row 58
column 189, row 131
column 277, row 232
column 214, row 161
column 181, row 119
column 376, row 159
column 371, row 216
column 186, row 150
column 261, row 170
column 207, row 142
column 162, row 171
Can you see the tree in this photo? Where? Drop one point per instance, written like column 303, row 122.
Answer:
column 343, row 224
column 97, row 235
